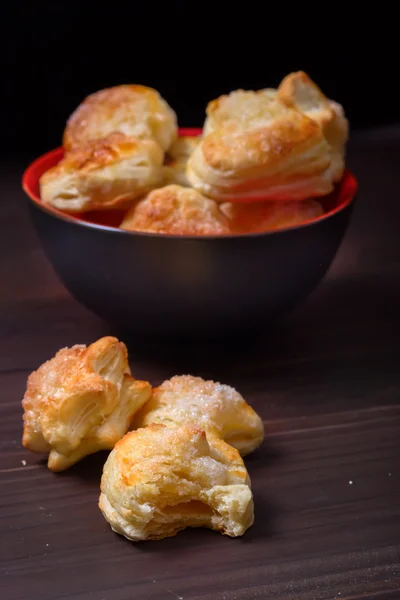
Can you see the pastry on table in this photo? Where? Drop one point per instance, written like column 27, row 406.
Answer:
column 135, row 110
column 108, row 173
column 176, row 160
column 256, row 217
column 174, row 209
column 81, row 401
column 258, row 145
column 218, row 409
column 159, row 480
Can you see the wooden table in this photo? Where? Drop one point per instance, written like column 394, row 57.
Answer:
column 326, row 481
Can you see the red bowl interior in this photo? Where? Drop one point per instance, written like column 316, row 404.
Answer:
column 342, row 195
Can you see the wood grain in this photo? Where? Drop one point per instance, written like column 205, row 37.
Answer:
column 326, row 381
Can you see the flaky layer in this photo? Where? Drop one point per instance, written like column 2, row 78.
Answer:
column 103, row 174
column 218, row 409
column 176, row 160
column 256, row 217
column 284, row 144
column 158, row 481
column 174, row 209
column 81, row 401
column 135, row 110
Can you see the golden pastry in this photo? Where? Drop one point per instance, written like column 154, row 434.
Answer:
column 298, row 91
column 259, row 145
column 81, row 401
column 177, row 210
column 218, row 409
column 158, row 481
column 256, row 217
column 103, row 174
column 176, row 160
column 135, row 110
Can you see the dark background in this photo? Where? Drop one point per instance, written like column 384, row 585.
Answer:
column 54, row 53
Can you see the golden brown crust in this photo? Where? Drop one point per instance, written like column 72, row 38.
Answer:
column 81, row 401
column 176, row 210
column 256, row 217
column 103, row 174
column 158, row 481
column 218, row 409
column 285, row 144
column 135, row 110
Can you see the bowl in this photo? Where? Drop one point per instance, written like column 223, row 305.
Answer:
column 173, row 287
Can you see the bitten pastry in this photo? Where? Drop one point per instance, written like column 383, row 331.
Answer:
column 176, row 210
column 176, row 160
column 261, row 145
column 81, row 401
column 158, row 481
column 218, row 409
column 256, row 217
column 103, row 174
column 135, row 110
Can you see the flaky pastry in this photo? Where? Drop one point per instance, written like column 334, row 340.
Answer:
column 103, row 174
column 298, row 91
column 135, row 110
column 256, row 217
column 81, row 401
column 159, row 480
column 218, row 409
column 259, row 145
column 176, row 160
column 174, row 209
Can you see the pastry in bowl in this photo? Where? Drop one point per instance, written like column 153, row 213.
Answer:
column 135, row 110
column 174, row 209
column 159, row 480
column 298, row 91
column 267, row 145
column 81, row 401
column 256, row 217
column 103, row 174
column 218, row 409
column 176, row 160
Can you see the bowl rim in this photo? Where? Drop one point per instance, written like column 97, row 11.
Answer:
column 348, row 185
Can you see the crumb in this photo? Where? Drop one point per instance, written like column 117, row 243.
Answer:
column 23, row 462
column 47, row 544
column 390, row 474
column 350, row 482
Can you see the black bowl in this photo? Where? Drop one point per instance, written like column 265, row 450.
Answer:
column 170, row 287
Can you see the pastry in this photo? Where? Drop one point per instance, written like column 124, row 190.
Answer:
column 256, row 217
column 159, row 480
column 218, row 409
column 135, row 110
column 81, row 401
column 176, row 210
column 103, row 174
column 264, row 145
column 176, row 160
column 298, row 91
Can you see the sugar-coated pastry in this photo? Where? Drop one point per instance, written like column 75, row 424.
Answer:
column 259, row 145
column 135, row 110
column 176, row 160
column 81, row 401
column 240, row 108
column 218, row 409
column 178, row 210
column 256, row 217
column 103, row 174
column 298, row 91
column 159, row 480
